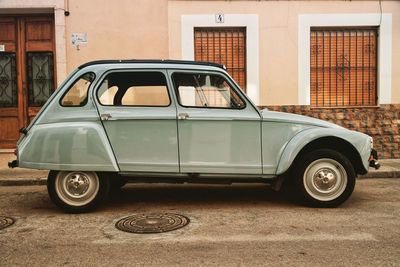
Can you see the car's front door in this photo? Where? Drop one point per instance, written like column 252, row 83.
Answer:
column 140, row 120
column 219, row 130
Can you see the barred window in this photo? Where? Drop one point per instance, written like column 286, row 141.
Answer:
column 225, row 46
column 343, row 67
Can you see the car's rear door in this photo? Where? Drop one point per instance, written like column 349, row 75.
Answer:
column 219, row 130
column 140, row 120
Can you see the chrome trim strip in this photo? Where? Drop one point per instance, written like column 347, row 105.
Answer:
column 220, row 119
column 140, row 118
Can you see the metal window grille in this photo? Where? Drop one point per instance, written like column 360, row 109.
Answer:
column 226, row 46
column 343, row 67
column 8, row 80
column 40, row 77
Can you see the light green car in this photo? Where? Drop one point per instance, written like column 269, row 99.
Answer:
column 180, row 121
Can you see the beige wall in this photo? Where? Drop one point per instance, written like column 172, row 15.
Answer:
column 119, row 29
column 124, row 29
column 278, row 38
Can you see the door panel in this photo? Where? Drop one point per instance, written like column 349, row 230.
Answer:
column 143, row 138
column 25, row 39
column 8, row 33
column 9, row 119
column 219, row 141
column 39, row 61
column 218, row 131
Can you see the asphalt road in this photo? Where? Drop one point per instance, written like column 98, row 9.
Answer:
column 239, row 225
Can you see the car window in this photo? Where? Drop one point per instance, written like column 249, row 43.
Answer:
column 134, row 89
column 205, row 90
column 77, row 93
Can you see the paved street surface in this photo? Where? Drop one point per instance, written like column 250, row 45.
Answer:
column 248, row 225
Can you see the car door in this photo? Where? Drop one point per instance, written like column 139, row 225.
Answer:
column 218, row 128
column 139, row 117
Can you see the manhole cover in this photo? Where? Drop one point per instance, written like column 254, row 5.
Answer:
column 152, row 223
column 5, row 222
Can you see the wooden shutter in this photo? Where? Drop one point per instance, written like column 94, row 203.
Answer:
column 226, row 46
column 343, row 67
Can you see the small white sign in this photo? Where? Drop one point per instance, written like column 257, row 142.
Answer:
column 2, row 48
column 79, row 39
column 219, row 18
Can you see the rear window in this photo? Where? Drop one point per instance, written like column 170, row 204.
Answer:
column 134, row 89
column 76, row 95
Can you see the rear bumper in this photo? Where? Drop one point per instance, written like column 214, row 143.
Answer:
column 13, row 164
column 373, row 160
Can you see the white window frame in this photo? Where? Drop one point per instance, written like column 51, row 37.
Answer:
column 384, row 66
column 250, row 21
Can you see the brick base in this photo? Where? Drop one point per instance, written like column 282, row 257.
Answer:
column 382, row 123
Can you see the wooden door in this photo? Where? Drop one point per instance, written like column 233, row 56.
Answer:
column 26, row 71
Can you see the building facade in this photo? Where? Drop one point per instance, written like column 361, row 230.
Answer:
column 334, row 60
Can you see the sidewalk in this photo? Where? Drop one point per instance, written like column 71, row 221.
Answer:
column 390, row 168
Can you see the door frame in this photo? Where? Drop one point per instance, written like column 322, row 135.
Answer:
column 129, row 165
column 216, row 116
column 23, row 112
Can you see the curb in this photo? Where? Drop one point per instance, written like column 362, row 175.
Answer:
column 382, row 174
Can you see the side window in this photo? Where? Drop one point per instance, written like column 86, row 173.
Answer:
column 134, row 89
column 76, row 95
column 205, row 90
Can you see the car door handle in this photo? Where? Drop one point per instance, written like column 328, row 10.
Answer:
column 183, row 116
column 105, row 117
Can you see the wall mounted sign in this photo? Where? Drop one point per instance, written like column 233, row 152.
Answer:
column 2, row 48
column 79, row 39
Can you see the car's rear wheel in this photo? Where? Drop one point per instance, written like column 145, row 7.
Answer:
column 77, row 191
column 324, row 178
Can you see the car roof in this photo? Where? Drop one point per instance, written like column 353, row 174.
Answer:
column 152, row 61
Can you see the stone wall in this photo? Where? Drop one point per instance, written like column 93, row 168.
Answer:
column 382, row 123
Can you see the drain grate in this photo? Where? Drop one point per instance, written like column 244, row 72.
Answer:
column 5, row 222
column 152, row 223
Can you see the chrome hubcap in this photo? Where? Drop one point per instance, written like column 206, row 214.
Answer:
column 325, row 179
column 77, row 188
column 77, row 184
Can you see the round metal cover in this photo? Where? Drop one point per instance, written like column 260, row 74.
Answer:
column 152, row 223
column 5, row 222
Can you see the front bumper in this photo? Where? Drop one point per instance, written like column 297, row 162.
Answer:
column 373, row 159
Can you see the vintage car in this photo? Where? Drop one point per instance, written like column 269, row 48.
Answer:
column 180, row 121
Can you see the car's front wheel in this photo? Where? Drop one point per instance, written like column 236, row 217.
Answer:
column 324, row 178
column 77, row 191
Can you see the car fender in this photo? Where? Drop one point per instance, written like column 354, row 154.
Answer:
column 67, row 146
column 359, row 141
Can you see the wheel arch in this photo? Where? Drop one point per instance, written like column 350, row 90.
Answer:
column 335, row 143
column 309, row 140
